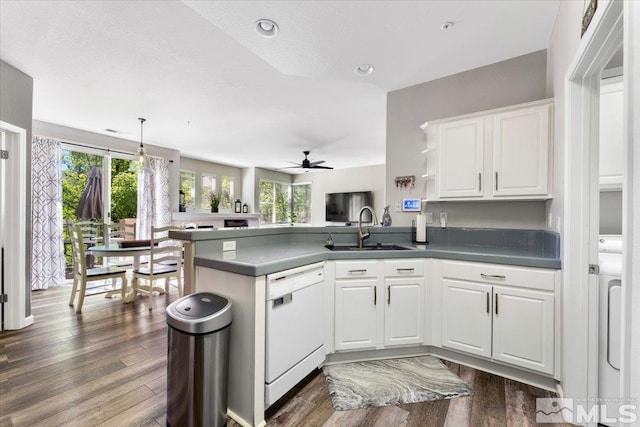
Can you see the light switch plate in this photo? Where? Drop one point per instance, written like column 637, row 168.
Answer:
column 429, row 217
column 229, row 245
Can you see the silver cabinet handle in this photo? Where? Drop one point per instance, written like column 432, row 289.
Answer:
column 388, row 295
column 488, row 302
column 479, row 181
column 493, row 276
column 496, row 181
column 405, row 270
column 361, row 271
column 496, row 304
column 375, row 295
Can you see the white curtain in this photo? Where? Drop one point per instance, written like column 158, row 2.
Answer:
column 48, row 261
column 153, row 196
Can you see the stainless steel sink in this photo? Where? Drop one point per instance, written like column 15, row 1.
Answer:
column 371, row 248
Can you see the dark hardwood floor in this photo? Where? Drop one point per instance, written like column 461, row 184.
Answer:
column 107, row 366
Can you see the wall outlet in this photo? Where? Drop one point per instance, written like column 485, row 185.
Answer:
column 398, row 206
column 443, row 219
column 429, row 218
column 229, row 245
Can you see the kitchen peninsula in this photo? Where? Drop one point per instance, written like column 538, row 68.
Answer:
column 488, row 298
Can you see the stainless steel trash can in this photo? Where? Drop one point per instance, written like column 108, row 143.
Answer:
column 198, row 360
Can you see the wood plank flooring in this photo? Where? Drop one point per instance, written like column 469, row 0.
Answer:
column 107, row 367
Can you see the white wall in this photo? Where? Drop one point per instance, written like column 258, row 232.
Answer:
column 505, row 83
column 366, row 178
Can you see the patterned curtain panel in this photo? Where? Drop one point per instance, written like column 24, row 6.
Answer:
column 153, row 196
column 47, row 266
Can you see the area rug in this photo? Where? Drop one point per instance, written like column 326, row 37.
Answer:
column 390, row 382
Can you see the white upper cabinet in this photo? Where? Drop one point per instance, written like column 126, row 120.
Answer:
column 502, row 154
column 462, row 157
column 611, row 103
column 521, row 152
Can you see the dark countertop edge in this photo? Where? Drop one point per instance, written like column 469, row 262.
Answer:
column 274, row 266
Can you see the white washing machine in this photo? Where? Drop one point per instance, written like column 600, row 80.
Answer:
column 609, row 322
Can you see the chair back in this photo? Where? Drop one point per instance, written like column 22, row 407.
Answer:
column 78, row 257
column 118, row 231
column 91, row 232
column 164, row 250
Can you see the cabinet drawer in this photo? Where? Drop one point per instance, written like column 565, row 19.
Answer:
column 356, row 269
column 535, row 278
column 404, row 267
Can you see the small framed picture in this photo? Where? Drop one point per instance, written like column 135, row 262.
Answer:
column 589, row 9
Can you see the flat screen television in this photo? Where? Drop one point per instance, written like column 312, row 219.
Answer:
column 345, row 207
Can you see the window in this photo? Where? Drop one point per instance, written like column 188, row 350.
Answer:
column 275, row 202
column 188, row 186
column 301, row 203
column 227, row 192
column 208, row 186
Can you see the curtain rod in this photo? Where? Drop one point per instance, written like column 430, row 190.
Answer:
column 107, row 150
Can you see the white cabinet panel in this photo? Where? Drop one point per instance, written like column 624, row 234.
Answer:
column 523, row 328
column 461, row 158
column 466, row 317
column 521, row 152
column 356, row 314
column 404, row 311
column 611, row 103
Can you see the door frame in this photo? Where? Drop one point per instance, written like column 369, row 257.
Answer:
column 581, row 224
column 14, row 240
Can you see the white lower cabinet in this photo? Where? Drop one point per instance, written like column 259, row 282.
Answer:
column 505, row 323
column 356, row 314
column 466, row 317
column 378, row 311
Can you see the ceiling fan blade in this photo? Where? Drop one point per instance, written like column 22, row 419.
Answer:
column 293, row 163
column 321, row 167
column 317, row 163
column 289, row 167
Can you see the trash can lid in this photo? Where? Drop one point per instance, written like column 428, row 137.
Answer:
column 199, row 313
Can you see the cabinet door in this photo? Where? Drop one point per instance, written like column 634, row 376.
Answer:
column 404, row 311
column 521, row 152
column 466, row 317
column 611, row 102
column 523, row 328
column 356, row 314
column 461, row 158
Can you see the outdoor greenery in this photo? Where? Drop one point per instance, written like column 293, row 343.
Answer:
column 281, row 202
column 124, row 185
column 188, row 187
column 215, row 199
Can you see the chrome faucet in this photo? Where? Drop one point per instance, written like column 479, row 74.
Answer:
column 362, row 236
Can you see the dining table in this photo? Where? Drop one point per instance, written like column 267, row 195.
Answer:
column 116, row 250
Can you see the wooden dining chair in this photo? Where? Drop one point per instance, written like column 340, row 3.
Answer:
column 165, row 262
column 116, row 232
column 82, row 274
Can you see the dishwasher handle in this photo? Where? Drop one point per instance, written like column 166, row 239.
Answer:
column 283, row 300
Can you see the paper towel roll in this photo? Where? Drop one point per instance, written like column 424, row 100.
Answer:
column 421, row 228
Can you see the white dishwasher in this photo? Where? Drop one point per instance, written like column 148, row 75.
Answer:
column 295, row 321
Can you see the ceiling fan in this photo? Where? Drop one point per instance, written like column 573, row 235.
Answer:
column 307, row 164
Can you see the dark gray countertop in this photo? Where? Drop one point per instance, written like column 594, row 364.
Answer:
column 261, row 260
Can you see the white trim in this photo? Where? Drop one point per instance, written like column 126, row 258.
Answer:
column 14, row 240
column 598, row 45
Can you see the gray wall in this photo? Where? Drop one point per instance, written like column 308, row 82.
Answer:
column 611, row 212
column 16, row 108
column 517, row 80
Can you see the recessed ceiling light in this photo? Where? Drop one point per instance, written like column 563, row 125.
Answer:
column 266, row 27
column 363, row 70
column 447, row 26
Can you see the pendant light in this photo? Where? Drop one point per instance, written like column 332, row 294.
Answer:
column 141, row 151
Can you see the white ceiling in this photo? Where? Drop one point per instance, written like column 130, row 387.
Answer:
column 214, row 89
